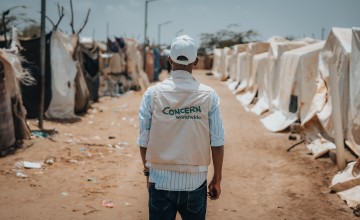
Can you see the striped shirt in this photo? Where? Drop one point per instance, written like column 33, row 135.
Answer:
column 173, row 180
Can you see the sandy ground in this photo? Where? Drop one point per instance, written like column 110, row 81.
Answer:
column 97, row 159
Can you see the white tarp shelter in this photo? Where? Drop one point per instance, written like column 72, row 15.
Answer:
column 271, row 76
column 249, row 80
column 216, row 62
column 353, row 134
column 235, row 66
column 333, row 73
column 296, row 87
column 63, row 73
column 334, row 70
column 346, row 185
column 224, row 64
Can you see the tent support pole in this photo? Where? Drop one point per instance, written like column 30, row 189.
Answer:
column 42, row 63
column 336, row 118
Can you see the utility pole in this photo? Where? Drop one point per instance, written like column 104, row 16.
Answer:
column 145, row 30
column 159, row 30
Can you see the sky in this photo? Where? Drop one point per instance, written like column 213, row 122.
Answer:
column 297, row 18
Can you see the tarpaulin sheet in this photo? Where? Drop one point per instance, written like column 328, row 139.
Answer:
column 353, row 134
column 63, row 73
column 259, row 69
column 7, row 90
column 235, row 66
column 249, row 79
column 334, row 66
column 216, row 62
column 245, row 77
column 295, row 86
column 346, row 185
column 224, row 64
column 271, row 80
column 333, row 63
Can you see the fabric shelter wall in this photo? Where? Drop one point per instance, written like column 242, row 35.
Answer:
column 7, row 132
column 224, row 64
column 334, row 70
column 294, row 87
column 12, row 112
column 31, row 62
column 250, row 81
column 271, row 74
column 235, row 66
column 216, row 62
column 353, row 134
column 63, row 70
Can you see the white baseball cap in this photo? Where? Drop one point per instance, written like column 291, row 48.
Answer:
column 183, row 50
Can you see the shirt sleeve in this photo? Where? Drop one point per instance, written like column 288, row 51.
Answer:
column 215, row 123
column 145, row 114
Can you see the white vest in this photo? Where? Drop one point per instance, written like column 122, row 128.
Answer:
column 179, row 137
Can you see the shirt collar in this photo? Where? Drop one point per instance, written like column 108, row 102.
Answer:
column 181, row 74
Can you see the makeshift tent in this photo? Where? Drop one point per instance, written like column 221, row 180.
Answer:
column 334, row 70
column 333, row 73
column 90, row 57
column 216, row 62
column 242, row 61
column 31, row 93
column 347, row 185
column 223, row 73
column 246, row 63
column 248, row 83
column 296, row 86
column 12, row 113
column 7, row 89
column 90, row 54
column 63, row 73
column 234, row 66
column 135, row 66
column 353, row 134
column 149, row 68
column 271, row 78
column 82, row 94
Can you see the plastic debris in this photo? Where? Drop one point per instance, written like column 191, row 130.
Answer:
column 97, row 138
column 64, row 193
column 40, row 134
column 50, row 161
column 32, row 165
column 91, row 179
column 108, row 203
column 19, row 165
column 123, row 144
column 20, row 174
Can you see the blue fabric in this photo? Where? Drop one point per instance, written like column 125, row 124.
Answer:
column 164, row 204
column 157, row 67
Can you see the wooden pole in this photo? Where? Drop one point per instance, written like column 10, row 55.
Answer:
column 42, row 64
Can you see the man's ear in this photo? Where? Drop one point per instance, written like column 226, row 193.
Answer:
column 170, row 60
column 196, row 61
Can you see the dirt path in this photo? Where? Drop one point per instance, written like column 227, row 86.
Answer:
column 97, row 159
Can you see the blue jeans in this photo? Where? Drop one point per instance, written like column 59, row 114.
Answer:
column 165, row 204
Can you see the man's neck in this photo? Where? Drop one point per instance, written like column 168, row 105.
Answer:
column 187, row 69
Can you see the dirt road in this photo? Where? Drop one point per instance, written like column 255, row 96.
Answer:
column 97, row 159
